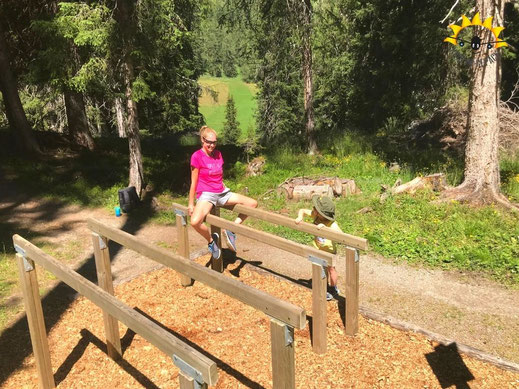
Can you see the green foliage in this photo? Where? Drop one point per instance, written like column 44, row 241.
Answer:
column 377, row 60
column 76, row 56
column 231, row 127
column 244, row 97
column 226, row 40
column 509, row 77
column 280, row 100
column 410, row 228
column 84, row 52
column 141, row 90
column 510, row 177
column 445, row 235
column 251, row 143
column 164, row 52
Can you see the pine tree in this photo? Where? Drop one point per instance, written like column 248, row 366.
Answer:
column 231, row 127
column 251, row 144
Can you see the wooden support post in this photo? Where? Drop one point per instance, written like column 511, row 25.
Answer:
column 319, row 308
column 104, row 280
column 283, row 361
column 351, row 320
column 183, row 245
column 187, row 382
column 40, row 345
column 205, row 368
column 217, row 264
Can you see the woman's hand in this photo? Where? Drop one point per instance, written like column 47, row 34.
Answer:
column 190, row 209
column 299, row 219
column 320, row 225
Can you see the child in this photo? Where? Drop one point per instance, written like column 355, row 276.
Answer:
column 323, row 214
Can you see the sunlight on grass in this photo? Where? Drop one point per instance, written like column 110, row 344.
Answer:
column 243, row 94
column 409, row 228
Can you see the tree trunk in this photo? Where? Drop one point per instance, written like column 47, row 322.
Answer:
column 119, row 115
column 481, row 184
column 77, row 119
column 124, row 18
column 307, row 77
column 13, row 105
column 134, row 140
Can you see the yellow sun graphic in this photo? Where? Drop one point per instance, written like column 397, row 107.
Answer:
column 476, row 43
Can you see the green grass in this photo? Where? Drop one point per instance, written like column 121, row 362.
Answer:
column 407, row 228
column 244, row 97
column 8, row 286
column 510, row 177
column 411, row 228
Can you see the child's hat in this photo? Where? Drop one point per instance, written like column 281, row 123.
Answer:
column 324, row 206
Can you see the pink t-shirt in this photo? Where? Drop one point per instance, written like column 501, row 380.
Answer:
column 210, row 172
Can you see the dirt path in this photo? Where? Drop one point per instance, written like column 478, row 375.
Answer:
column 461, row 307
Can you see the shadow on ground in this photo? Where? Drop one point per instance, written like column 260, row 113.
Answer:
column 16, row 337
column 448, row 366
column 89, row 338
column 239, row 376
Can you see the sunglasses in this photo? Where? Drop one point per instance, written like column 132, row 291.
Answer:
column 209, row 142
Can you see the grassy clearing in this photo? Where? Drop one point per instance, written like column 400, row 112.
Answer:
column 214, row 111
column 411, row 229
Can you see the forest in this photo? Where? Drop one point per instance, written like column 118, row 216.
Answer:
column 376, row 70
column 100, row 95
column 375, row 98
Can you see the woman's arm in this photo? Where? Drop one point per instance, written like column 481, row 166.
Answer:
column 302, row 213
column 192, row 190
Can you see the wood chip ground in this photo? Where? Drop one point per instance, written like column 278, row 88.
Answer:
column 237, row 337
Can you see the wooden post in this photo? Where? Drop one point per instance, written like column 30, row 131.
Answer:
column 283, row 361
column 40, row 345
column 351, row 320
column 104, row 280
column 217, row 264
column 187, row 382
column 169, row 344
column 319, row 308
column 183, row 245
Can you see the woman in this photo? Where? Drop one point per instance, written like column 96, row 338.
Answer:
column 208, row 187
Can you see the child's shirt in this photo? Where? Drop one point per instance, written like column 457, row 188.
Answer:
column 326, row 244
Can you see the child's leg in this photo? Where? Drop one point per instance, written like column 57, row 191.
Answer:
column 332, row 275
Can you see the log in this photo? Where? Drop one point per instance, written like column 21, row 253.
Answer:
column 337, row 187
column 307, row 191
column 349, row 187
column 304, row 188
column 436, row 182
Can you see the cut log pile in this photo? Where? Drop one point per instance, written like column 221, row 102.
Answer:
column 297, row 188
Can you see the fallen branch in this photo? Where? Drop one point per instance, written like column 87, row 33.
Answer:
column 436, row 182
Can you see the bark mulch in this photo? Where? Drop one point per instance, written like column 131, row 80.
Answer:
column 237, row 337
